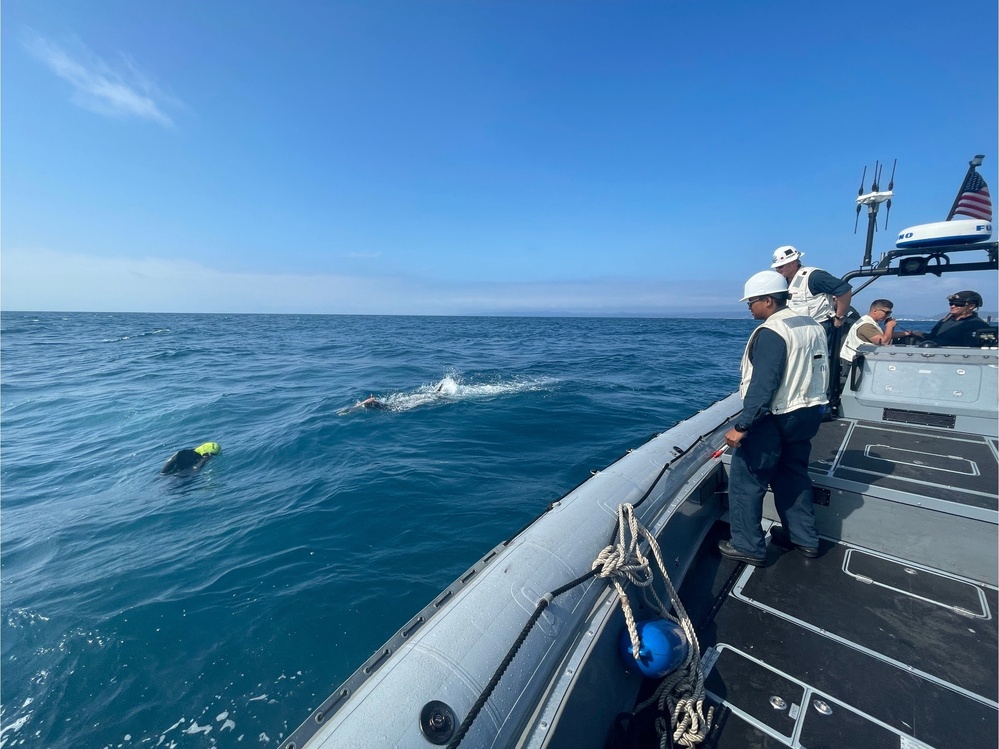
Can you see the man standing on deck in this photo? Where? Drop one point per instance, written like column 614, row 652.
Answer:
column 814, row 292
column 821, row 296
column 785, row 376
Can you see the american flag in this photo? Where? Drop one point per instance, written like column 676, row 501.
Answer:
column 975, row 200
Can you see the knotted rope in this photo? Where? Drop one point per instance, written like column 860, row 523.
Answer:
column 682, row 692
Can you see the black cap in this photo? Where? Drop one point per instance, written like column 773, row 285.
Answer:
column 966, row 296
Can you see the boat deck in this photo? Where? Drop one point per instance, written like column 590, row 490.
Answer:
column 851, row 649
column 859, row 647
column 904, row 459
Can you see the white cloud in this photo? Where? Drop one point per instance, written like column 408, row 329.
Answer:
column 100, row 88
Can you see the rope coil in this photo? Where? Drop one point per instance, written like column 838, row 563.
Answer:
column 682, row 692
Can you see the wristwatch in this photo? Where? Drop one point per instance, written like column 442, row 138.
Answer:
column 840, row 317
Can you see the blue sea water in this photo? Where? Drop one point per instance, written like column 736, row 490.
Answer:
column 217, row 609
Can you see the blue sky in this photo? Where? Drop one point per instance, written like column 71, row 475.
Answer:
column 468, row 157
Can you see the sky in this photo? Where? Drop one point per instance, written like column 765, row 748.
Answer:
column 472, row 157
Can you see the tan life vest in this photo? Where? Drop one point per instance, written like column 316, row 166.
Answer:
column 819, row 307
column 806, row 375
column 849, row 348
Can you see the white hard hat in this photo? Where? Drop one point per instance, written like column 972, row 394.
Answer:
column 763, row 283
column 786, row 254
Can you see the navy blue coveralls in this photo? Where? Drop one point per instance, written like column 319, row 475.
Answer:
column 773, row 453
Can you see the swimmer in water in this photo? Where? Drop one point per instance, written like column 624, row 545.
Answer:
column 372, row 402
column 191, row 460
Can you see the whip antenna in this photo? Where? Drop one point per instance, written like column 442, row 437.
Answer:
column 891, row 186
column 860, row 192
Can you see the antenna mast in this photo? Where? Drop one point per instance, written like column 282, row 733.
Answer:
column 873, row 201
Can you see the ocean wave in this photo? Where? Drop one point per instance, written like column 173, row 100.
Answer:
column 139, row 609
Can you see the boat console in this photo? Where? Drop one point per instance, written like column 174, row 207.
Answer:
column 948, row 388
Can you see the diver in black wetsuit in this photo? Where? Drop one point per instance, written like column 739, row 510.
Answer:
column 191, row 459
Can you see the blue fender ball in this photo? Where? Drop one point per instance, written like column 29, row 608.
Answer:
column 663, row 647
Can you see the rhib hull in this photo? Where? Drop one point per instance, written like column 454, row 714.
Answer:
column 451, row 650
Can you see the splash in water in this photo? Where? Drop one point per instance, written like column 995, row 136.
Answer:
column 450, row 389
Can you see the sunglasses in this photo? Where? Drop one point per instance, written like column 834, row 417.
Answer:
column 751, row 302
column 959, row 304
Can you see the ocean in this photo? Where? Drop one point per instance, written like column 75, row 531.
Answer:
column 217, row 609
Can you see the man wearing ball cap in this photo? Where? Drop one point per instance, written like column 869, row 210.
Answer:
column 958, row 327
